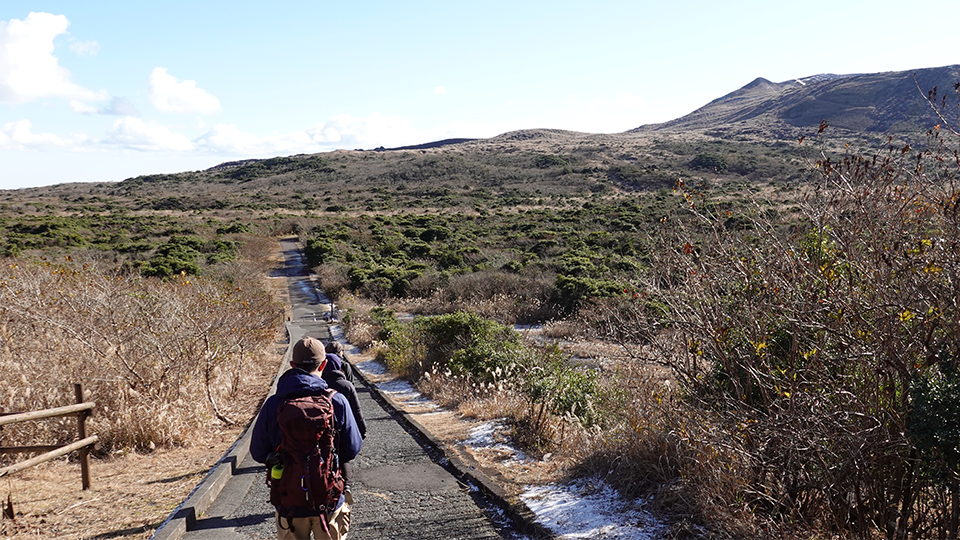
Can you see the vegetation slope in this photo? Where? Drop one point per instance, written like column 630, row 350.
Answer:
column 782, row 308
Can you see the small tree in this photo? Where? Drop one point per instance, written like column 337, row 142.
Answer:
column 710, row 161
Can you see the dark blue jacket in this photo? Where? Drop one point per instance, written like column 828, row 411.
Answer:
column 296, row 383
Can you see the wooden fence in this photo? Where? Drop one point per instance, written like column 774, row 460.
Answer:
column 81, row 410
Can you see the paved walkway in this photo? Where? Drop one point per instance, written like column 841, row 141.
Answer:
column 400, row 490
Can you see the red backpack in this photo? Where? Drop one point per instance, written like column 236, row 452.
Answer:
column 311, row 476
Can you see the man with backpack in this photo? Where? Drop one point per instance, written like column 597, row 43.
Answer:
column 304, row 432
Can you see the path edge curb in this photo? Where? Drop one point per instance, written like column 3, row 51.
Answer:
column 475, row 475
column 183, row 517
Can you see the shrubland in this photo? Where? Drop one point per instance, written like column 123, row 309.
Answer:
column 765, row 347
column 788, row 371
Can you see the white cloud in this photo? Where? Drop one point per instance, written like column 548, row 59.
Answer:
column 440, row 90
column 169, row 94
column 347, row 131
column 136, row 134
column 28, row 68
column 342, row 131
column 227, row 139
column 339, row 132
column 84, row 48
column 19, row 135
column 82, row 107
column 118, row 106
column 466, row 129
column 630, row 102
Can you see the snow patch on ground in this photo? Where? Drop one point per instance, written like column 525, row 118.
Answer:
column 591, row 509
column 398, row 390
column 586, row 509
column 371, row 367
column 487, row 435
column 405, row 392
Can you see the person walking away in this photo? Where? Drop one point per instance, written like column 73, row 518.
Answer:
column 335, row 347
column 336, row 380
column 302, row 404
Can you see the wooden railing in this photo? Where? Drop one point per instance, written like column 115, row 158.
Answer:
column 81, row 410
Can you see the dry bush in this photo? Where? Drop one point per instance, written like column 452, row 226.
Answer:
column 814, row 345
column 435, row 304
column 358, row 327
column 258, row 254
column 683, row 460
column 563, row 330
column 333, row 278
column 469, row 397
column 158, row 357
column 500, row 296
column 427, row 285
column 562, row 436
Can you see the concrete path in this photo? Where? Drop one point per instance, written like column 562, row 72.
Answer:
column 400, row 488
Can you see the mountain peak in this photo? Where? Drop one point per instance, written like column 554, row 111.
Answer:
column 888, row 102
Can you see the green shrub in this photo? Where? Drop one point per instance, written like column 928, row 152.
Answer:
column 468, row 343
column 710, row 162
column 553, row 385
column 548, row 161
column 934, row 422
column 234, row 228
column 572, row 291
column 179, row 255
column 318, row 250
column 386, row 320
column 513, row 266
column 170, row 265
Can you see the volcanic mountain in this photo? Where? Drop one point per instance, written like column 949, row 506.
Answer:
column 889, row 103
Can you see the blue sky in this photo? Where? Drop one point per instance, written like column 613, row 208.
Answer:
column 106, row 90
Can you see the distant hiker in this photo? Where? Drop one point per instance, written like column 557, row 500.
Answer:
column 335, row 379
column 333, row 374
column 335, row 347
column 305, row 431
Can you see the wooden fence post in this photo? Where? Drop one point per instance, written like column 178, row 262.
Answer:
column 81, row 409
column 82, row 432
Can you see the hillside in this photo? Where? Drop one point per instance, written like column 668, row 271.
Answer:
column 754, row 128
column 884, row 103
column 523, row 168
column 737, row 144
column 724, row 313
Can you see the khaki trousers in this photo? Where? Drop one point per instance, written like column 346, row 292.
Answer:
column 338, row 522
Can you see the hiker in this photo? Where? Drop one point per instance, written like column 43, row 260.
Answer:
column 335, row 347
column 336, row 379
column 342, row 443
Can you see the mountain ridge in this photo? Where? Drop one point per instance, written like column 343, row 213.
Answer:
column 886, row 102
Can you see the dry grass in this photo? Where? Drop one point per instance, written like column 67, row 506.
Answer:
column 650, row 444
column 653, row 447
column 131, row 492
column 159, row 357
column 361, row 330
column 134, row 485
